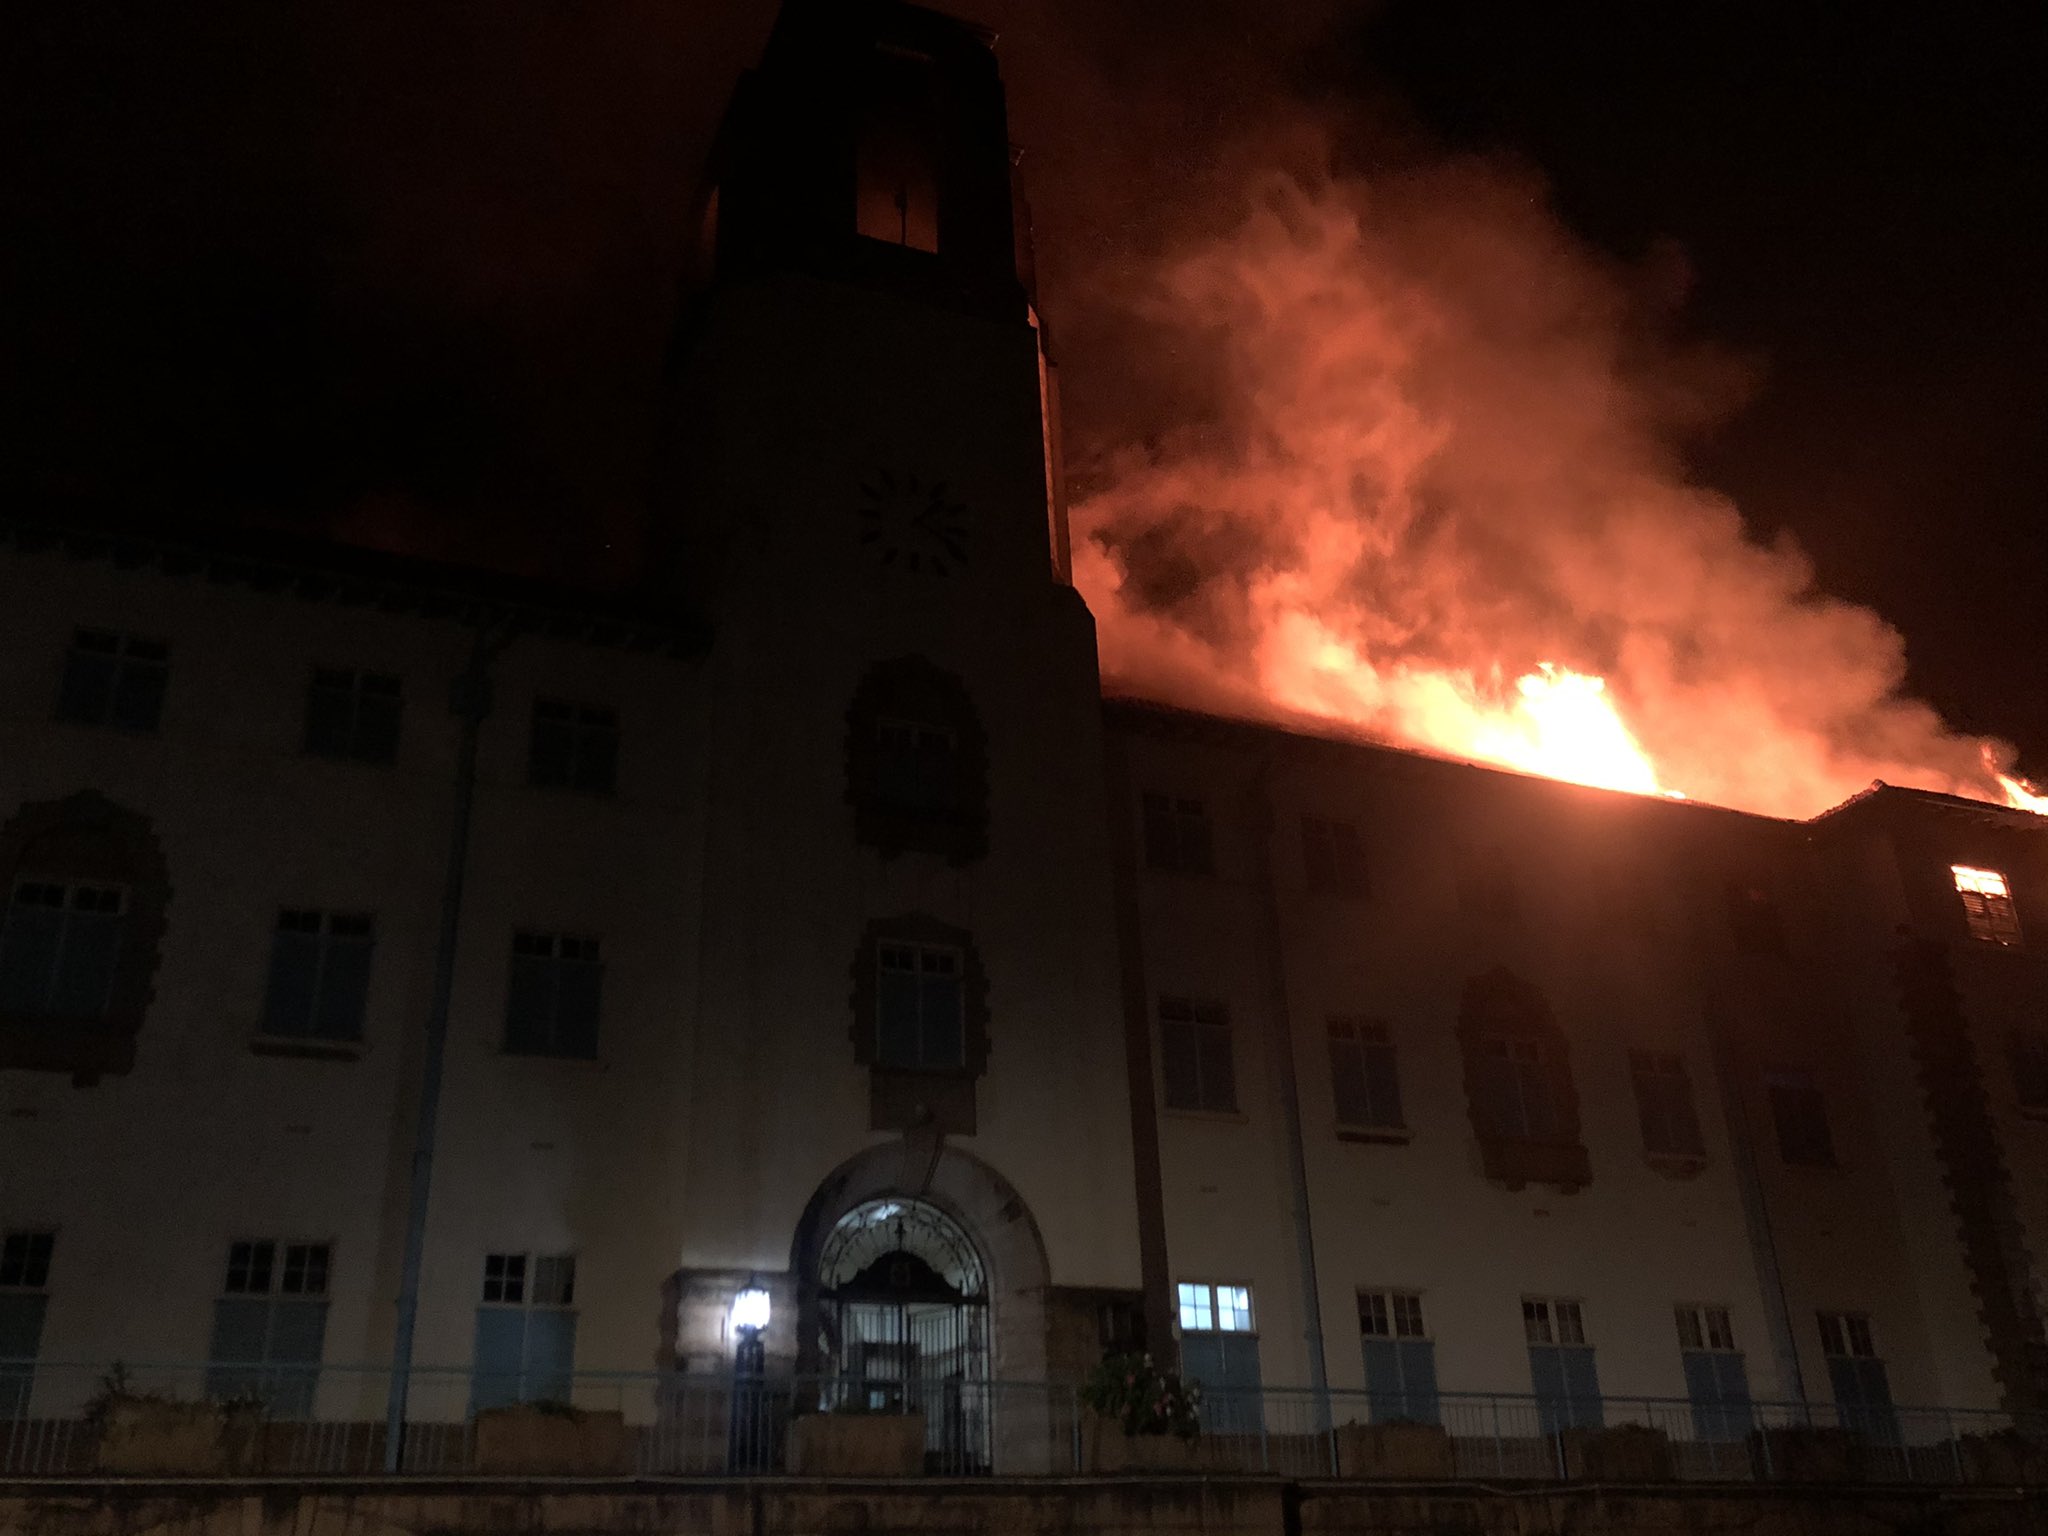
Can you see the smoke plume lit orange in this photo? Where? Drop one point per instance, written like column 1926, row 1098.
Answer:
column 1435, row 493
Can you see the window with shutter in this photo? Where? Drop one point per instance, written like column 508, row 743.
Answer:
column 1197, row 1067
column 1716, row 1376
column 270, row 1326
column 1862, row 1388
column 1220, row 1349
column 1988, row 913
column 1664, row 1105
column 525, row 1344
column 554, row 996
column 318, row 990
column 1364, row 1078
column 1400, row 1358
column 1562, row 1372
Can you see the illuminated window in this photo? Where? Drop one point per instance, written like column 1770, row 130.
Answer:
column 115, row 680
column 1220, row 1349
column 920, row 997
column 1987, row 905
column 1177, row 836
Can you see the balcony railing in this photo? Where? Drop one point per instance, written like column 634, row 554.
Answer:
column 328, row 1420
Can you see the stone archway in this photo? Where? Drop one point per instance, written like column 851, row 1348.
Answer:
column 966, row 1192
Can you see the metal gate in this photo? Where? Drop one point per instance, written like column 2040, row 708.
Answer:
column 903, row 1325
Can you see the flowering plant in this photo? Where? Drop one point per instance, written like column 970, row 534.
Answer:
column 1145, row 1400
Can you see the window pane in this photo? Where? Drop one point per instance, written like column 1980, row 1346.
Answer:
column 1219, row 1072
column 1347, row 1080
column 1372, row 1315
column 530, row 1005
column 1536, row 1322
column 1180, row 1064
column 294, row 972
column 896, row 1001
column 578, row 1003
column 30, row 935
column 1196, row 1311
column 344, row 988
column 1408, row 1316
column 1383, row 1084
column 550, row 1356
column 941, row 1010
column 86, row 964
column 1689, row 1329
column 138, row 702
column 498, row 1357
column 554, row 1280
column 1233, row 1309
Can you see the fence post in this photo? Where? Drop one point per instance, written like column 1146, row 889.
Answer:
column 1074, row 1403
column 1955, row 1446
column 1500, row 1461
column 1265, row 1462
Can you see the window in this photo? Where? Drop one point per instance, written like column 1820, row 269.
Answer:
column 1561, row 1368
column 1332, row 859
column 2027, row 1054
column 115, row 680
column 60, row 948
column 1863, row 1392
column 1716, row 1377
column 896, row 173
column 1362, row 1075
column 1671, row 1126
column 917, row 765
column 1987, row 905
column 270, row 1326
column 918, row 1022
column 1219, row 1347
column 1753, row 921
column 319, row 976
column 83, row 889
column 353, row 715
column 1177, row 836
column 920, row 1007
column 1400, row 1360
column 574, row 746
column 1517, row 1101
column 24, row 1280
column 1194, row 1055
column 552, row 1005
column 525, row 1330
column 1800, row 1112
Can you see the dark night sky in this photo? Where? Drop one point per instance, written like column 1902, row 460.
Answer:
column 413, row 266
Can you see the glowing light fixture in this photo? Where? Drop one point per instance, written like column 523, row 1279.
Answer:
column 750, row 1309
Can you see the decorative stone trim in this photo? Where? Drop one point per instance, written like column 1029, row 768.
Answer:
column 1500, row 1003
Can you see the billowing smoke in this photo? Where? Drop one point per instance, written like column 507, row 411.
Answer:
column 1424, row 477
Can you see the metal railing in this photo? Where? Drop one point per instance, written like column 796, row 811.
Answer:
column 312, row 1421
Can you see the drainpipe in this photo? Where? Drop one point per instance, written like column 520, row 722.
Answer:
column 1281, row 1038
column 469, row 700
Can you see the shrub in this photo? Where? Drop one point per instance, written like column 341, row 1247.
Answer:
column 1145, row 1400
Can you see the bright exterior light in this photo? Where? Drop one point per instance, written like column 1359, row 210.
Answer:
column 750, row 1309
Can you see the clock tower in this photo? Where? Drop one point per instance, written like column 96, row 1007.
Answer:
column 911, row 986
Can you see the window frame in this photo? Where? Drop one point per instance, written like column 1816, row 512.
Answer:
column 1795, row 1089
column 922, row 950
column 591, row 736
column 69, row 889
column 1989, row 917
column 1202, row 1020
column 1370, row 1038
column 1407, row 1349
column 1667, row 1072
column 286, row 1383
column 1333, row 861
column 533, row 1263
column 1557, row 1317
column 1178, row 835
column 27, row 1255
column 557, row 958
column 309, row 1041
column 126, row 661
column 356, row 741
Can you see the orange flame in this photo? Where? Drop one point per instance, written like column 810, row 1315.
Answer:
column 2022, row 796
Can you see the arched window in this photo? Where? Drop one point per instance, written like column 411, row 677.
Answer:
column 84, row 888
column 1518, row 1084
column 917, row 762
column 920, row 1023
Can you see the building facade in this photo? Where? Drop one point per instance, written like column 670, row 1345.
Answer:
column 808, row 922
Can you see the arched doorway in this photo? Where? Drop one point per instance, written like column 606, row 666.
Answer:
column 902, row 1315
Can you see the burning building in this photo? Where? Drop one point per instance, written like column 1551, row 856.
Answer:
column 809, row 927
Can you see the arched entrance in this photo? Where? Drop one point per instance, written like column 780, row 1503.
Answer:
column 902, row 1316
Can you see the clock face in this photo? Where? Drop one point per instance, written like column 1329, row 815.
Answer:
column 912, row 525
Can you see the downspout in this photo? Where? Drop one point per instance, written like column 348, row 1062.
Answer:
column 1756, row 1212
column 1281, row 1040
column 469, row 700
